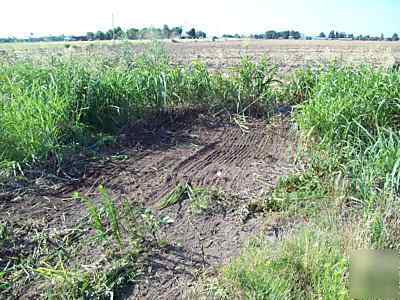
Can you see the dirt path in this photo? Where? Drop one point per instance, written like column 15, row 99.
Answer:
column 238, row 165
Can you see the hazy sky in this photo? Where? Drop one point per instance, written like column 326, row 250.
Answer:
column 20, row 17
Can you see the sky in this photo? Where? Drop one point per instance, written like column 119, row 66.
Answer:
column 216, row 17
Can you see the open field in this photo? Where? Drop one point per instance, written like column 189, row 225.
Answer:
column 138, row 171
column 220, row 55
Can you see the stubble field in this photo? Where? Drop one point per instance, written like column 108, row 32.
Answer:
column 220, row 55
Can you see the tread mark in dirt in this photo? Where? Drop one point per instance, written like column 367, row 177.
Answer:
column 233, row 161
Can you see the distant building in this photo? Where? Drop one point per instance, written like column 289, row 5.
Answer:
column 185, row 36
column 318, row 38
column 75, row 38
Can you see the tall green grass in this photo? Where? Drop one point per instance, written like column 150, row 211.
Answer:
column 307, row 265
column 347, row 200
column 46, row 106
column 355, row 113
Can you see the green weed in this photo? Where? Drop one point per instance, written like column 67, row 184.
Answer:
column 307, row 265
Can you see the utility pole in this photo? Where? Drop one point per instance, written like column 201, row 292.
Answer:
column 113, row 27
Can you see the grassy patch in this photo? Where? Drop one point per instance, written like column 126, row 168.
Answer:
column 348, row 195
column 307, row 265
column 51, row 105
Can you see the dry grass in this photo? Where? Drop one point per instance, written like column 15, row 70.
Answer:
column 220, row 55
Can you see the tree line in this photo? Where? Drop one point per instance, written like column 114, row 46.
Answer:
column 177, row 32
column 275, row 35
column 335, row 35
column 145, row 33
column 118, row 33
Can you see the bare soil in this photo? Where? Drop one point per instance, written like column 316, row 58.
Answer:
column 288, row 55
column 240, row 164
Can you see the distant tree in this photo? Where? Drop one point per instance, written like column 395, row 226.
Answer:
column 201, row 34
column 156, row 33
column 132, row 34
column 109, row 35
column 332, row 34
column 395, row 37
column 118, row 33
column 192, row 33
column 285, row 34
column 337, row 35
column 90, row 36
column 115, row 33
column 176, row 32
column 271, row 34
column 295, row 35
column 166, row 32
column 100, row 35
column 382, row 38
column 322, row 35
column 350, row 36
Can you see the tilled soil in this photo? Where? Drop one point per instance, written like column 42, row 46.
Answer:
column 240, row 164
column 236, row 161
column 288, row 55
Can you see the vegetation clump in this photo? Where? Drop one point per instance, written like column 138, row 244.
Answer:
column 60, row 104
column 346, row 200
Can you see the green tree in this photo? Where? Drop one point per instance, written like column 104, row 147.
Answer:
column 271, row 34
column 166, row 32
column 201, row 34
column 118, row 33
column 109, row 35
column 395, row 37
column 100, row 35
column 295, row 35
column 192, row 33
column 285, row 34
column 176, row 32
column 332, row 34
column 322, row 35
column 132, row 34
column 90, row 36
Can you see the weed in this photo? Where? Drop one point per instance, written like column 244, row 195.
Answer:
column 307, row 265
column 179, row 193
column 200, row 200
column 94, row 214
column 300, row 86
column 126, row 234
column 348, row 195
column 51, row 106
column 111, row 213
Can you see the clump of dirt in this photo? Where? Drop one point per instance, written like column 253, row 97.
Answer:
column 230, row 166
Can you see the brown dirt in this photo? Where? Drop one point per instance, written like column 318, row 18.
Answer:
column 288, row 55
column 240, row 164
